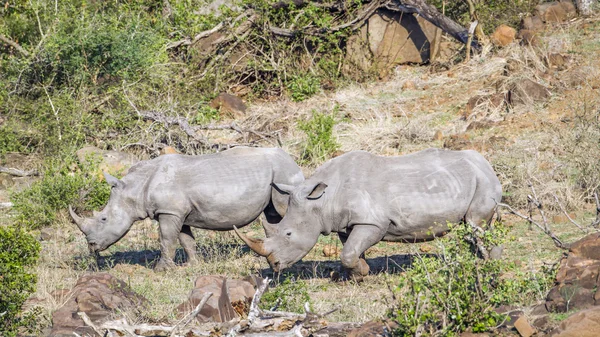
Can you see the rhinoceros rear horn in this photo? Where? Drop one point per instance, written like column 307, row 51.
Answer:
column 80, row 221
column 257, row 245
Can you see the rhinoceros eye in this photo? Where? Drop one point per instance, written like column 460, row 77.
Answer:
column 103, row 218
column 288, row 233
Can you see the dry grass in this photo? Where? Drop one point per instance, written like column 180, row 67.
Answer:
column 390, row 118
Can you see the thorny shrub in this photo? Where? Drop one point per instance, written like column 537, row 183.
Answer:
column 19, row 251
column 289, row 295
column 38, row 205
column 447, row 293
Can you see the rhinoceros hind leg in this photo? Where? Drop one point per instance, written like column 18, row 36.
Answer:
column 170, row 227
column 186, row 238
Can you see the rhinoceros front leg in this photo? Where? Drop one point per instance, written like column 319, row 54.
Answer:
column 170, row 227
column 186, row 238
column 359, row 240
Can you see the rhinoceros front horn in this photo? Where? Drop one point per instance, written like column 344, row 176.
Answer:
column 257, row 245
column 80, row 221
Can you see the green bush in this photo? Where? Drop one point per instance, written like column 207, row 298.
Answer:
column 320, row 143
column 18, row 253
column 303, row 87
column 446, row 294
column 37, row 206
column 289, row 295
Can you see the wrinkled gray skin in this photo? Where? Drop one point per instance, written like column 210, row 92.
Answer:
column 368, row 198
column 215, row 191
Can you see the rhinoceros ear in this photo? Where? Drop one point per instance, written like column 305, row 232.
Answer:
column 317, row 191
column 283, row 188
column 112, row 181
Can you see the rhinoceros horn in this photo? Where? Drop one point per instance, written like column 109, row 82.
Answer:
column 257, row 245
column 270, row 229
column 80, row 221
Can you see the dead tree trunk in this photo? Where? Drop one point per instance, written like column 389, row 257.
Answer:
column 431, row 14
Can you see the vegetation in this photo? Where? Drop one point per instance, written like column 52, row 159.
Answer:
column 446, row 294
column 18, row 255
column 320, row 144
column 38, row 205
column 289, row 295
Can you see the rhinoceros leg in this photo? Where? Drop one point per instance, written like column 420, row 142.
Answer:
column 186, row 238
column 359, row 240
column 170, row 227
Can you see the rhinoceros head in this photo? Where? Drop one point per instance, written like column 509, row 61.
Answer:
column 114, row 221
column 292, row 238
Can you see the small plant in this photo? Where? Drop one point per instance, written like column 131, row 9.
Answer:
column 37, row 206
column 289, row 295
column 302, row 87
column 19, row 251
column 320, row 143
column 446, row 294
column 205, row 114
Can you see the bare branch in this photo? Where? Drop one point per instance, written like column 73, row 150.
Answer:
column 186, row 320
column 567, row 215
column 546, row 230
column 17, row 172
column 91, row 324
column 14, row 45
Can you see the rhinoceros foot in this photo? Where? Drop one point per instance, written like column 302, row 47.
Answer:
column 356, row 274
column 164, row 265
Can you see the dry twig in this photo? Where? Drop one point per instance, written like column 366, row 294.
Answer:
column 186, row 320
column 17, row 172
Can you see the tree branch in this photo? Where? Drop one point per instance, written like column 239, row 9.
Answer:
column 17, row 172
column 14, row 45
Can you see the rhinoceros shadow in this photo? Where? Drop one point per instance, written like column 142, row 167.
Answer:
column 310, row 269
column 148, row 257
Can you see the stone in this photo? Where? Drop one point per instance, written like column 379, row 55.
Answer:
column 503, row 36
column 587, row 247
column 47, row 234
column 168, row 150
column 557, row 11
column 438, row 135
column 528, row 37
column 524, row 328
column 113, row 162
column 557, row 60
column 493, row 101
column 386, row 40
column 99, row 295
column 229, row 106
column 231, row 298
column 471, row 334
column 458, row 142
column 331, row 251
column 526, row 91
column 425, row 248
column 373, row 328
column 408, row 85
column 532, row 23
column 585, row 323
column 480, row 125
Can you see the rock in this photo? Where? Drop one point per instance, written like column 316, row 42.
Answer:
column 587, row 247
column 557, row 11
column 231, row 298
column 331, row 251
column 526, row 91
column 388, row 39
column 503, row 36
column 532, row 23
column 458, row 142
column 438, row 135
column 408, row 85
column 113, row 162
column 480, row 125
column 471, row 334
column 556, row 60
column 47, row 234
column 373, row 328
column 523, row 327
column 168, row 150
column 229, row 106
column 99, row 295
column 425, row 248
column 493, row 101
column 585, row 323
column 541, row 323
column 528, row 37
